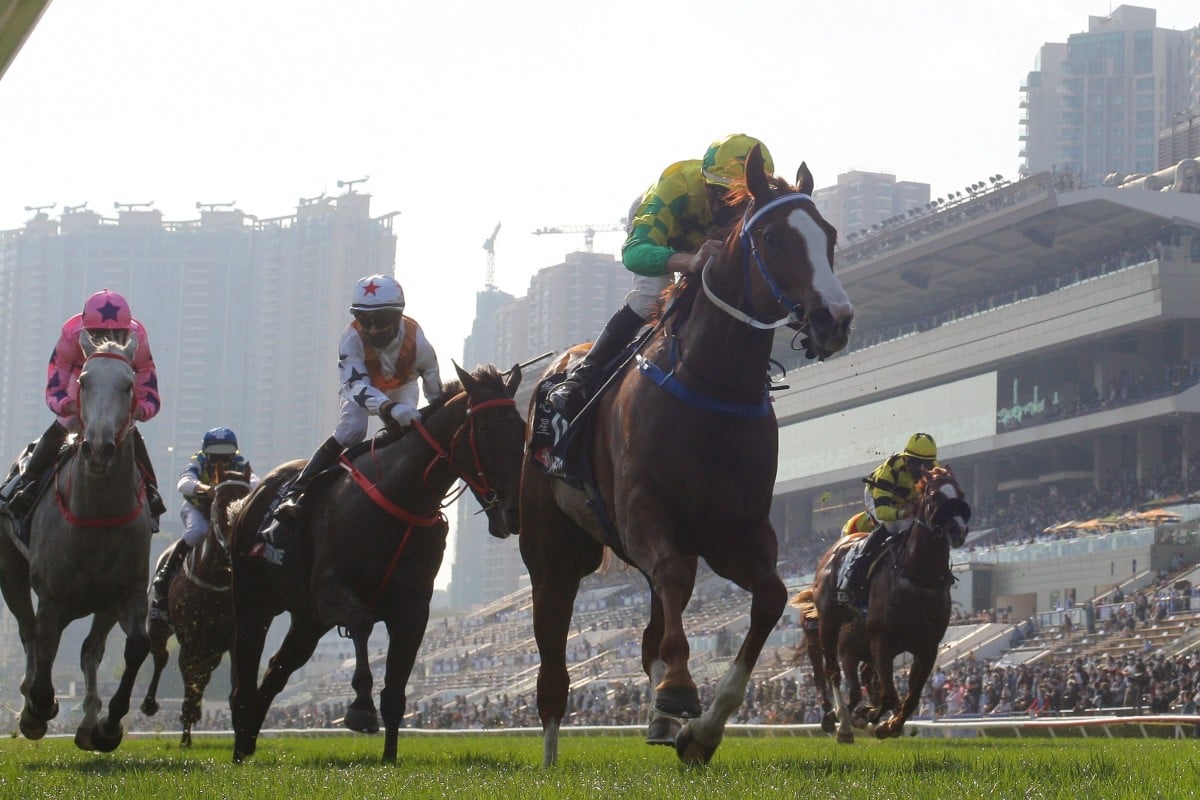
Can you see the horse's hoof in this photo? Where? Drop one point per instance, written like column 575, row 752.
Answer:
column 32, row 727
column 83, row 739
column 690, row 751
column 107, row 736
column 845, row 738
column 663, row 730
column 149, row 707
column 361, row 720
column 829, row 722
column 186, row 739
column 678, row 701
column 243, row 747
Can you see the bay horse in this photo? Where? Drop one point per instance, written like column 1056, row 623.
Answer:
column 907, row 612
column 200, row 607
column 369, row 550
column 685, row 462
column 88, row 554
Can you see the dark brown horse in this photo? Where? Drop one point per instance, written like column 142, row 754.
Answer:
column 200, row 606
column 369, row 550
column 684, row 451
column 88, row 555
column 907, row 612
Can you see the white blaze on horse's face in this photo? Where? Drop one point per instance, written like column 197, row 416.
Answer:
column 816, row 240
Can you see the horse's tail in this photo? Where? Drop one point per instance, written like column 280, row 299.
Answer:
column 806, row 602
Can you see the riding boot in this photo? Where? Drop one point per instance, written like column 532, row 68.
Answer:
column 570, row 396
column 18, row 492
column 141, row 456
column 852, row 589
column 162, row 581
column 289, row 507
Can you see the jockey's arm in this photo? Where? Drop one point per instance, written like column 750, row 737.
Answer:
column 145, row 390
column 426, row 366
column 189, row 480
column 62, row 376
column 352, row 372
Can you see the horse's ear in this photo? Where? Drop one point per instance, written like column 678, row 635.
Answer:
column 467, row 379
column 804, row 179
column 86, row 344
column 513, row 380
column 756, row 177
column 131, row 346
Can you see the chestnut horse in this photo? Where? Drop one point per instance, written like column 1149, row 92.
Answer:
column 88, row 554
column 369, row 549
column 200, row 607
column 907, row 612
column 684, row 451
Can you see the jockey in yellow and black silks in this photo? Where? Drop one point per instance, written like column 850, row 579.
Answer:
column 890, row 502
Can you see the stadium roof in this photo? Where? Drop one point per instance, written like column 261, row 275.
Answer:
column 1003, row 242
column 17, row 18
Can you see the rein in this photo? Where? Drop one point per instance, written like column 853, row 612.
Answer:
column 751, row 249
column 96, row 522
column 478, row 482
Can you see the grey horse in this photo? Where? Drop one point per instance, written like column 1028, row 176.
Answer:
column 89, row 554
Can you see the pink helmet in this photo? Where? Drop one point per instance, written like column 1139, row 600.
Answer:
column 106, row 310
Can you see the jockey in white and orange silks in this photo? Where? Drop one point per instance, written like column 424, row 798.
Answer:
column 382, row 355
column 105, row 316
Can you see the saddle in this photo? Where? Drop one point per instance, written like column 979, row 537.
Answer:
column 22, row 523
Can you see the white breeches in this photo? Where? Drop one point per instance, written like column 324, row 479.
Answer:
column 195, row 526
column 646, row 294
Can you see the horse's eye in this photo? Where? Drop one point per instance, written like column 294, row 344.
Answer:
column 769, row 238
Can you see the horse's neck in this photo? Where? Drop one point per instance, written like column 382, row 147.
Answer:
column 111, row 493
column 927, row 553
column 721, row 350
column 405, row 474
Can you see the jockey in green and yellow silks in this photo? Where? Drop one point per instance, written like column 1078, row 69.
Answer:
column 670, row 230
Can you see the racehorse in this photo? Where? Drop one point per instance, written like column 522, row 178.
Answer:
column 907, row 611
column 370, row 548
column 685, row 462
column 88, row 554
column 200, row 607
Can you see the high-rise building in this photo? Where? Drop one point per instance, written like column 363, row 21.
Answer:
column 1095, row 105
column 566, row 304
column 243, row 317
column 864, row 201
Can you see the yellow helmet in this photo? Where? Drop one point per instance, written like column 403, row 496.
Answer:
column 921, row 446
column 725, row 161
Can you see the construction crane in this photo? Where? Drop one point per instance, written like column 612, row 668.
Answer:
column 489, row 244
column 589, row 231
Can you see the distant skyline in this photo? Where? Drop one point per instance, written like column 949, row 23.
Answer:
column 532, row 113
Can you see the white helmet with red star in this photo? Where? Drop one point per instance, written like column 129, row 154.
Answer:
column 376, row 292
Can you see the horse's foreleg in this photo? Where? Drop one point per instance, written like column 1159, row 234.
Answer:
column 197, row 670
column 699, row 739
column 672, row 581
column 108, row 733
column 404, row 639
column 663, row 727
column 159, row 633
column 40, row 705
column 361, row 715
column 918, row 673
column 91, row 653
column 816, row 659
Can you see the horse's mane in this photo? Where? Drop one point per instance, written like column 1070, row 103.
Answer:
column 737, row 199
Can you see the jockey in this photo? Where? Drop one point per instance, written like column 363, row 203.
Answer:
column 106, row 317
column 890, row 499
column 217, row 460
column 671, row 231
column 382, row 353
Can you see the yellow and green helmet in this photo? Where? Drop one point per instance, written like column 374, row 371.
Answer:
column 921, row 446
column 725, row 161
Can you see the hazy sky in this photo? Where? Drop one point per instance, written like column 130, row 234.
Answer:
column 532, row 113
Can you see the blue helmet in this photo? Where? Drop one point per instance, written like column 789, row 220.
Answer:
column 220, row 442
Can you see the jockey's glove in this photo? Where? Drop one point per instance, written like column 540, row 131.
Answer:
column 404, row 415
